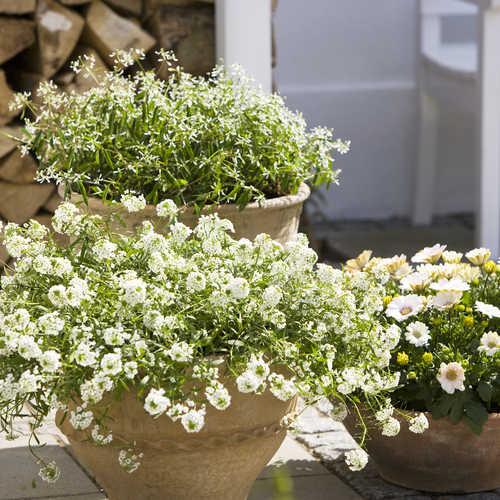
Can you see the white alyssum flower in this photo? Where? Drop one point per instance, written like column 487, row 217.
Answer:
column 128, row 460
column 271, row 296
column 284, row 389
column 156, row 403
column 391, row 427
column 111, row 364
column 50, row 361
column 196, row 281
column 218, row 396
column 104, row 249
column 167, row 208
column 134, row 291
column 419, row 424
column 193, row 420
column 133, row 203
column 80, row 420
column 356, row 459
column 181, row 351
column 239, row 288
column 180, row 232
column 50, row 473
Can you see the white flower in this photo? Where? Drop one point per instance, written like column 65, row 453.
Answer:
column 488, row 309
column 282, row 388
column 180, row 232
column 239, row 288
column 181, row 351
column 356, row 459
column 50, row 361
column 218, row 396
column 404, row 306
column 446, row 300
column 419, row 424
column 490, row 343
column 57, row 295
column 429, row 255
column 417, row 333
column 111, row 364
column 156, row 403
column 271, row 296
column 134, row 291
column 451, row 376
column 249, row 382
column 104, row 249
column 193, row 420
column 81, row 420
column 167, row 208
column 390, row 427
column 50, row 473
column 196, row 281
column 415, row 282
column 133, row 203
column 478, row 256
column 452, row 285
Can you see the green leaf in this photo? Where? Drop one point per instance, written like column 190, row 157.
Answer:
column 476, row 412
column 465, row 298
column 456, row 413
column 476, row 429
column 33, row 484
column 142, row 384
column 485, row 390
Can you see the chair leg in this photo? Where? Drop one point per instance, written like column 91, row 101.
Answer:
column 426, row 161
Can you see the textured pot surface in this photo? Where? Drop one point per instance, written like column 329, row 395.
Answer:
column 278, row 217
column 445, row 458
column 220, row 462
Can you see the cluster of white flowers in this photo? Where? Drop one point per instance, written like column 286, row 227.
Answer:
column 133, row 203
column 128, row 460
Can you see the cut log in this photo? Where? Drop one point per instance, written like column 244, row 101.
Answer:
column 53, row 202
column 106, row 31
column 74, row 2
column 126, row 7
column 190, row 33
column 58, row 29
column 20, row 202
column 6, row 96
column 15, row 36
column 18, row 169
column 17, row 6
column 7, row 145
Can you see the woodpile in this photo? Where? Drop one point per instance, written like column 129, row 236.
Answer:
column 38, row 40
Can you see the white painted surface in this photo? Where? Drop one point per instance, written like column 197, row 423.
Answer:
column 243, row 35
column 352, row 65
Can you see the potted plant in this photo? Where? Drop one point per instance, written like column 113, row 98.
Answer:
column 178, row 351
column 447, row 359
column 201, row 142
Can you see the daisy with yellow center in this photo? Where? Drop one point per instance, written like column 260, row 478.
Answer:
column 451, row 377
column 446, row 300
column 404, row 306
column 415, row 282
column 490, row 343
column 478, row 256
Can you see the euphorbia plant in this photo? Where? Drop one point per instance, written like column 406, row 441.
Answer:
column 196, row 141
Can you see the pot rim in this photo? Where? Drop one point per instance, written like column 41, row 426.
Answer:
column 278, row 203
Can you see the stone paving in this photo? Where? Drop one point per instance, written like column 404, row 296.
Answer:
column 328, row 441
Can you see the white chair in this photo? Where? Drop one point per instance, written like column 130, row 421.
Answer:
column 467, row 75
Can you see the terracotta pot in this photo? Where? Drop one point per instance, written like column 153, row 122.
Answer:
column 445, row 458
column 278, row 217
column 221, row 461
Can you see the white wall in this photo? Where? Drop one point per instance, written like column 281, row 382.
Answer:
column 352, row 65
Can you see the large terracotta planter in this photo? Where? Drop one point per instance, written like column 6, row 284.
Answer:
column 445, row 458
column 220, row 462
column 278, row 217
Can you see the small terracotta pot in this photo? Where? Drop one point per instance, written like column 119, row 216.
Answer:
column 278, row 217
column 220, row 462
column 445, row 458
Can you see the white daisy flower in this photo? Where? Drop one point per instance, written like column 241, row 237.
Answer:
column 450, row 285
column 490, row 343
column 451, row 376
column 415, row 282
column 429, row 255
column 446, row 300
column 405, row 306
column 417, row 333
column 478, row 256
column 488, row 309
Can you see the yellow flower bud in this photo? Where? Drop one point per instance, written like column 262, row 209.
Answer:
column 427, row 357
column 475, row 282
column 484, row 323
column 387, row 300
column 469, row 321
column 461, row 308
column 403, row 358
column 412, row 375
column 468, row 310
column 489, row 267
column 437, row 321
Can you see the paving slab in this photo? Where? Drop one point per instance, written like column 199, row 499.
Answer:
column 294, row 471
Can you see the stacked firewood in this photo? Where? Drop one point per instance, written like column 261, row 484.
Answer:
column 39, row 39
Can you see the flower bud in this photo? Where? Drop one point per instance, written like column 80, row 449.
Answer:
column 403, row 358
column 436, row 321
column 489, row 267
column 484, row 323
column 427, row 357
column 412, row 375
column 469, row 321
column 387, row 300
column 461, row 308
